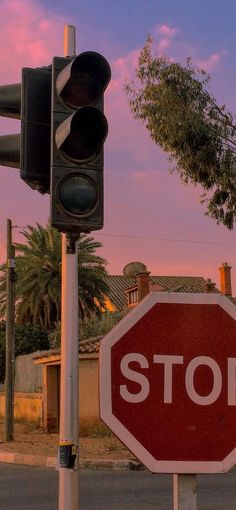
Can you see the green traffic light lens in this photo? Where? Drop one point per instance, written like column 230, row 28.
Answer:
column 77, row 195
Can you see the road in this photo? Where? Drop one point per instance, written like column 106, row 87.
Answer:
column 30, row 488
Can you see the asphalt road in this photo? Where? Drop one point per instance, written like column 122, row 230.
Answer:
column 31, row 488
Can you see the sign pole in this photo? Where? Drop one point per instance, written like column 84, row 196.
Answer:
column 185, row 492
column 69, row 414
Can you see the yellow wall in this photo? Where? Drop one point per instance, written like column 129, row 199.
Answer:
column 88, row 388
column 89, row 419
column 27, row 406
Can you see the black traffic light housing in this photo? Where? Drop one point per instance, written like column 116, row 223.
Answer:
column 10, row 106
column 79, row 129
column 36, row 128
column 29, row 150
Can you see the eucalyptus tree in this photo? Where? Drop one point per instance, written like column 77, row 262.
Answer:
column 184, row 119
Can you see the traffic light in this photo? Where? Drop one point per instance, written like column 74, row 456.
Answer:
column 29, row 101
column 36, row 128
column 79, row 129
column 10, row 106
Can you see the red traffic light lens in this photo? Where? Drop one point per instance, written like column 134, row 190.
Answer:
column 84, row 80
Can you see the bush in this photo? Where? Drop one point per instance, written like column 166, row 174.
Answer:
column 27, row 339
column 88, row 328
column 30, row 339
column 98, row 326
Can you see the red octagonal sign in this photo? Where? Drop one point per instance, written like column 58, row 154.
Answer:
column 168, row 382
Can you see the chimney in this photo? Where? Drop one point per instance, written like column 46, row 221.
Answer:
column 225, row 279
column 209, row 286
column 143, row 284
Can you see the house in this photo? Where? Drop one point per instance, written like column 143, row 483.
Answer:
column 125, row 292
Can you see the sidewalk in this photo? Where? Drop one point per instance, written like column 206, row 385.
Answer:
column 33, row 446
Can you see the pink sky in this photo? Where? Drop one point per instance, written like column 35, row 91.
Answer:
column 149, row 215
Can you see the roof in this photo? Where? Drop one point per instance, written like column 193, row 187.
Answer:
column 118, row 284
column 89, row 346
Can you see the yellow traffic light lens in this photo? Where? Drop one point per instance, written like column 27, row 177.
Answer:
column 77, row 195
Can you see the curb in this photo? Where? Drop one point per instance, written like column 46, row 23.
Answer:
column 132, row 465
column 51, row 462
column 29, row 460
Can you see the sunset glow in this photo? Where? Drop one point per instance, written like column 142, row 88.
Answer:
column 150, row 215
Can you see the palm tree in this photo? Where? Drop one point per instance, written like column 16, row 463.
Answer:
column 38, row 285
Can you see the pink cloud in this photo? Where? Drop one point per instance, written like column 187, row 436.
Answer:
column 30, row 36
column 123, row 68
column 165, row 34
column 179, row 49
column 167, row 31
column 211, row 62
column 163, row 45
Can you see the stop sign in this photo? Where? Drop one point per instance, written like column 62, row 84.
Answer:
column 168, row 382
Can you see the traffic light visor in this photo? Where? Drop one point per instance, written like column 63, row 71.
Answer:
column 83, row 81
column 10, row 100
column 81, row 136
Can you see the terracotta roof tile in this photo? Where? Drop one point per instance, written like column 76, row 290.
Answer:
column 88, row 346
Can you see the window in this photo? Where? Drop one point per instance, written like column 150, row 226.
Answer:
column 132, row 297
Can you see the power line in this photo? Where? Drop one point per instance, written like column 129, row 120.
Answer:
column 152, row 238
column 169, row 239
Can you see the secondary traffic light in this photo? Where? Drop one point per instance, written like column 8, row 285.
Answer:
column 10, row 106
column 36, row 128
column 29, row 150
column 79, row 129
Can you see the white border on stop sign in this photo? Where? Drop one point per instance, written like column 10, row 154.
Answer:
column 105, row 383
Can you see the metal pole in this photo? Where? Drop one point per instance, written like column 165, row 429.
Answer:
column 69, row 414
column 69, row 40
column 185, row 492
column 68, row 468
column 9, row 382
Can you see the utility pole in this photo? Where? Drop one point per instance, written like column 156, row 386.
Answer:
column 10, row 310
